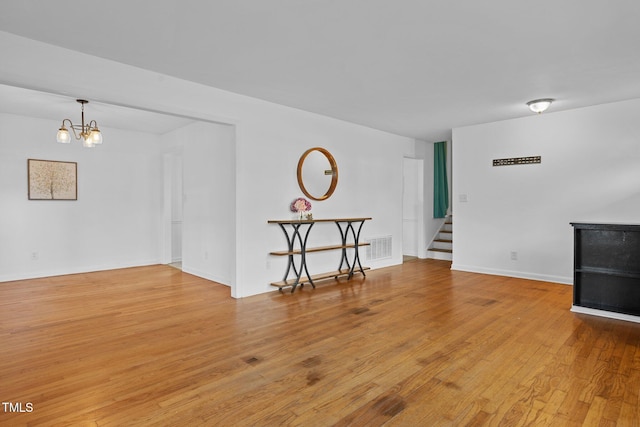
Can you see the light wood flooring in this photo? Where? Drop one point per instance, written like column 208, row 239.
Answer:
column 411, row 345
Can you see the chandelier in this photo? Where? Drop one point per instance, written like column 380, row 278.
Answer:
column 89, row 133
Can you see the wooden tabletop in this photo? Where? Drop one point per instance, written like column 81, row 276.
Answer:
column 295, row 221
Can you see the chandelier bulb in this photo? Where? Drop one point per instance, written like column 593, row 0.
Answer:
column 95, row 136
column 87, row 142
column 63, row 136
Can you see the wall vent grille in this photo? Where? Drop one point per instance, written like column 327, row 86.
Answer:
column 379, row 248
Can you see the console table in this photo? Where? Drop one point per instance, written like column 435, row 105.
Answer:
column 297, row 234
column 607, row 269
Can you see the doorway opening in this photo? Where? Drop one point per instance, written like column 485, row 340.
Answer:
column 199, row 201
column 413, row 238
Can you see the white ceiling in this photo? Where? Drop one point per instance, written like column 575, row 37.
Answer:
column 412, row 67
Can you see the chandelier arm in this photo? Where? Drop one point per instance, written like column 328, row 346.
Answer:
column 72, row 127
column 92, row 125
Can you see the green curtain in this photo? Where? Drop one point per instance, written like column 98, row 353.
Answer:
column 440, row 185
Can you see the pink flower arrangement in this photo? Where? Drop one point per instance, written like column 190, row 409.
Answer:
column 300, row 205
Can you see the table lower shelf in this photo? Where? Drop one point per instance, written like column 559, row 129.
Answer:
column 338, row 273
column 318, row 249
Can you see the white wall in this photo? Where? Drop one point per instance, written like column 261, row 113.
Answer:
column 590, row 172
column 370, row 185
column 269, row 140
column 113, row 223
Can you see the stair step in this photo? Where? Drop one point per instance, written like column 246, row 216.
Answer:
column 445, row 235
column 442, row 246
column 449, row 251
column 445, row 256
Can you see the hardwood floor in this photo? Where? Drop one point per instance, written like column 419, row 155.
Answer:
column 412, row 345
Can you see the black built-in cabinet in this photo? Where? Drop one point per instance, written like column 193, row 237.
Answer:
column 607, row 267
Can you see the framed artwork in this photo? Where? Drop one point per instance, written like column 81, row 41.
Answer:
column 52, row 180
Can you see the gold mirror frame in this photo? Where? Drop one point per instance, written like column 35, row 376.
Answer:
column 333, row 171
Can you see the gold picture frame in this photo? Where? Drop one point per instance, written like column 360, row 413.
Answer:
column 52, row 180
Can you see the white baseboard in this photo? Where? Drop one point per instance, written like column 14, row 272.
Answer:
column 603, row 313
column 518, row 274
column 205, row 275
column 76, row 270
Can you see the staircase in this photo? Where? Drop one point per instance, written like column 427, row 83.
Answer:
column 442, row 245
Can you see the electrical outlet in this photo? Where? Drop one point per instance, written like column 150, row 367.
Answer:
column 34, row 256
column 514, row 256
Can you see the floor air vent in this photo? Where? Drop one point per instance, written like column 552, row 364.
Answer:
column 379, row 248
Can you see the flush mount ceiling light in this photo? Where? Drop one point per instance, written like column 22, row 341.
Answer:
column 89, row 133
column 539, row 105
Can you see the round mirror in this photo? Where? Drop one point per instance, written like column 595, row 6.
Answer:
column 317, row 173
